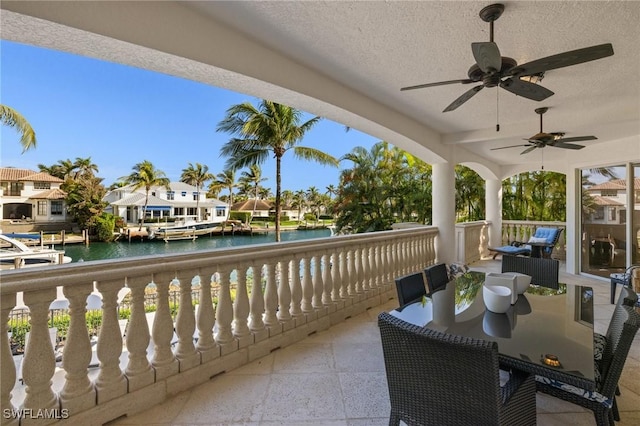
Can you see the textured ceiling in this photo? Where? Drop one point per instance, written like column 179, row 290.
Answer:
column 373, row 48
column 378, row 47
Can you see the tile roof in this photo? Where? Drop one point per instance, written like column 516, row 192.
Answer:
column 13, row 174
column 137, row 199
column 248, row 205
column 604, row 201
column 52, row 194
column 620, row 184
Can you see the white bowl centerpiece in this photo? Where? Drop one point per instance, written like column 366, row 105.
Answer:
column 496, row 298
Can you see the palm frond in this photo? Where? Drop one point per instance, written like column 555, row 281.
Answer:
column 307, row 153
column 12, row 118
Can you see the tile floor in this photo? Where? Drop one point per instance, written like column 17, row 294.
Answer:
column 337, row 378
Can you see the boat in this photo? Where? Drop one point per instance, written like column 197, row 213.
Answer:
column 14, row 254
column 185, row 230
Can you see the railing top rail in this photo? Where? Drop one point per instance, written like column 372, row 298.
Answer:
column 534, row 222
column 12, row 281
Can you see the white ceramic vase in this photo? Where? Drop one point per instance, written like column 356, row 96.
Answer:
column 496, row 298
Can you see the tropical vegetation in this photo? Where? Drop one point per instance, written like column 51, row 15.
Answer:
column 271, row 129
column 197, row 176
column 12, row 118
column 145, row 175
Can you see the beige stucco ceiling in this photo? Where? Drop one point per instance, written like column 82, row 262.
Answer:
column 348, row 60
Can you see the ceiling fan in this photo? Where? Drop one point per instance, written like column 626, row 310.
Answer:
column 555, row 139
column 492, row 69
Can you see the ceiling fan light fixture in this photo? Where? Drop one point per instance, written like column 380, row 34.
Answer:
column 534, row 78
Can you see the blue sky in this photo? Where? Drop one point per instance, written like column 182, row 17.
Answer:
column 120, row 116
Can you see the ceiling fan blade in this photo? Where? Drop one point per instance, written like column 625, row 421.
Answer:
column 578, row 139
column 566, row 145
column 440, row 83
column 528, row 150
column 464, row 98
column 487, row 56
column 511, row 146
column 526, row 89
column 562, row 60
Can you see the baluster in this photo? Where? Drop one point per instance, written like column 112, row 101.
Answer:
column 369, row 265
column 326, row 278
column 241, row 308
column 353, row 273
column 271, row 297
column 186, row 352
column 284, row 292
column 110, row 383
column 7, row 366
column 307, row 286
column 139, row 372
column 388, row 254
column 296, row 288
column 318, row 285
column 344, row 274
column 206, row 319
column 38, row 364
column 335, row 276
column 224, row 313
column 361, row 267
column 163, row 361
column 256, row 324
column 379, row 259
column 77, row 393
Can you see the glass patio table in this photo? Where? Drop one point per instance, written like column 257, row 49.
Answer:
column 547, row 331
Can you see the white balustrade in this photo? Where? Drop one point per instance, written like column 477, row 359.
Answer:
column 311, row 283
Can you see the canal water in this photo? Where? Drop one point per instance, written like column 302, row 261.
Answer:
column 121, row 249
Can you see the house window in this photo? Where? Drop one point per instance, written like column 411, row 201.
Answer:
column 41, row 185
column 178, row 211
column 184, row 193
column 56, row 207
column 192, row 211
column 612, row 213
column 42, row 208
column 220, row 211
column 171, row 195
column 195, row 196
column 598, row 213
column 608, row 193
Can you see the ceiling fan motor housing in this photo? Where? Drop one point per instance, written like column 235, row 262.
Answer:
column 491, row 79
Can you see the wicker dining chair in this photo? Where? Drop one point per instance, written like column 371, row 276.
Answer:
column 436, row 278
column 410, row 288
column 627, row 297
column 622, row 330
column 441, row 379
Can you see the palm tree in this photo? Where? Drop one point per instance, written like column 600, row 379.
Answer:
column 270, row 129
column 145, row 175
column 299, row 201
column 253, row 177
column 12, row 118
column 84, row 167
column 227, row 180
column 196, row 175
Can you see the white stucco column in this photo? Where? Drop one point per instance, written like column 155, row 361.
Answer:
column 573, row 234
column 444, row 210
column 493, row 209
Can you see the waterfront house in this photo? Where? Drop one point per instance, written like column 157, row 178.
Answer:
column 345, row 61
column 30, row 196
column 258, row 208
column 180, row 201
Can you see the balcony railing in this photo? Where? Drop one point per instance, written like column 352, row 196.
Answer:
column 283, row 293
